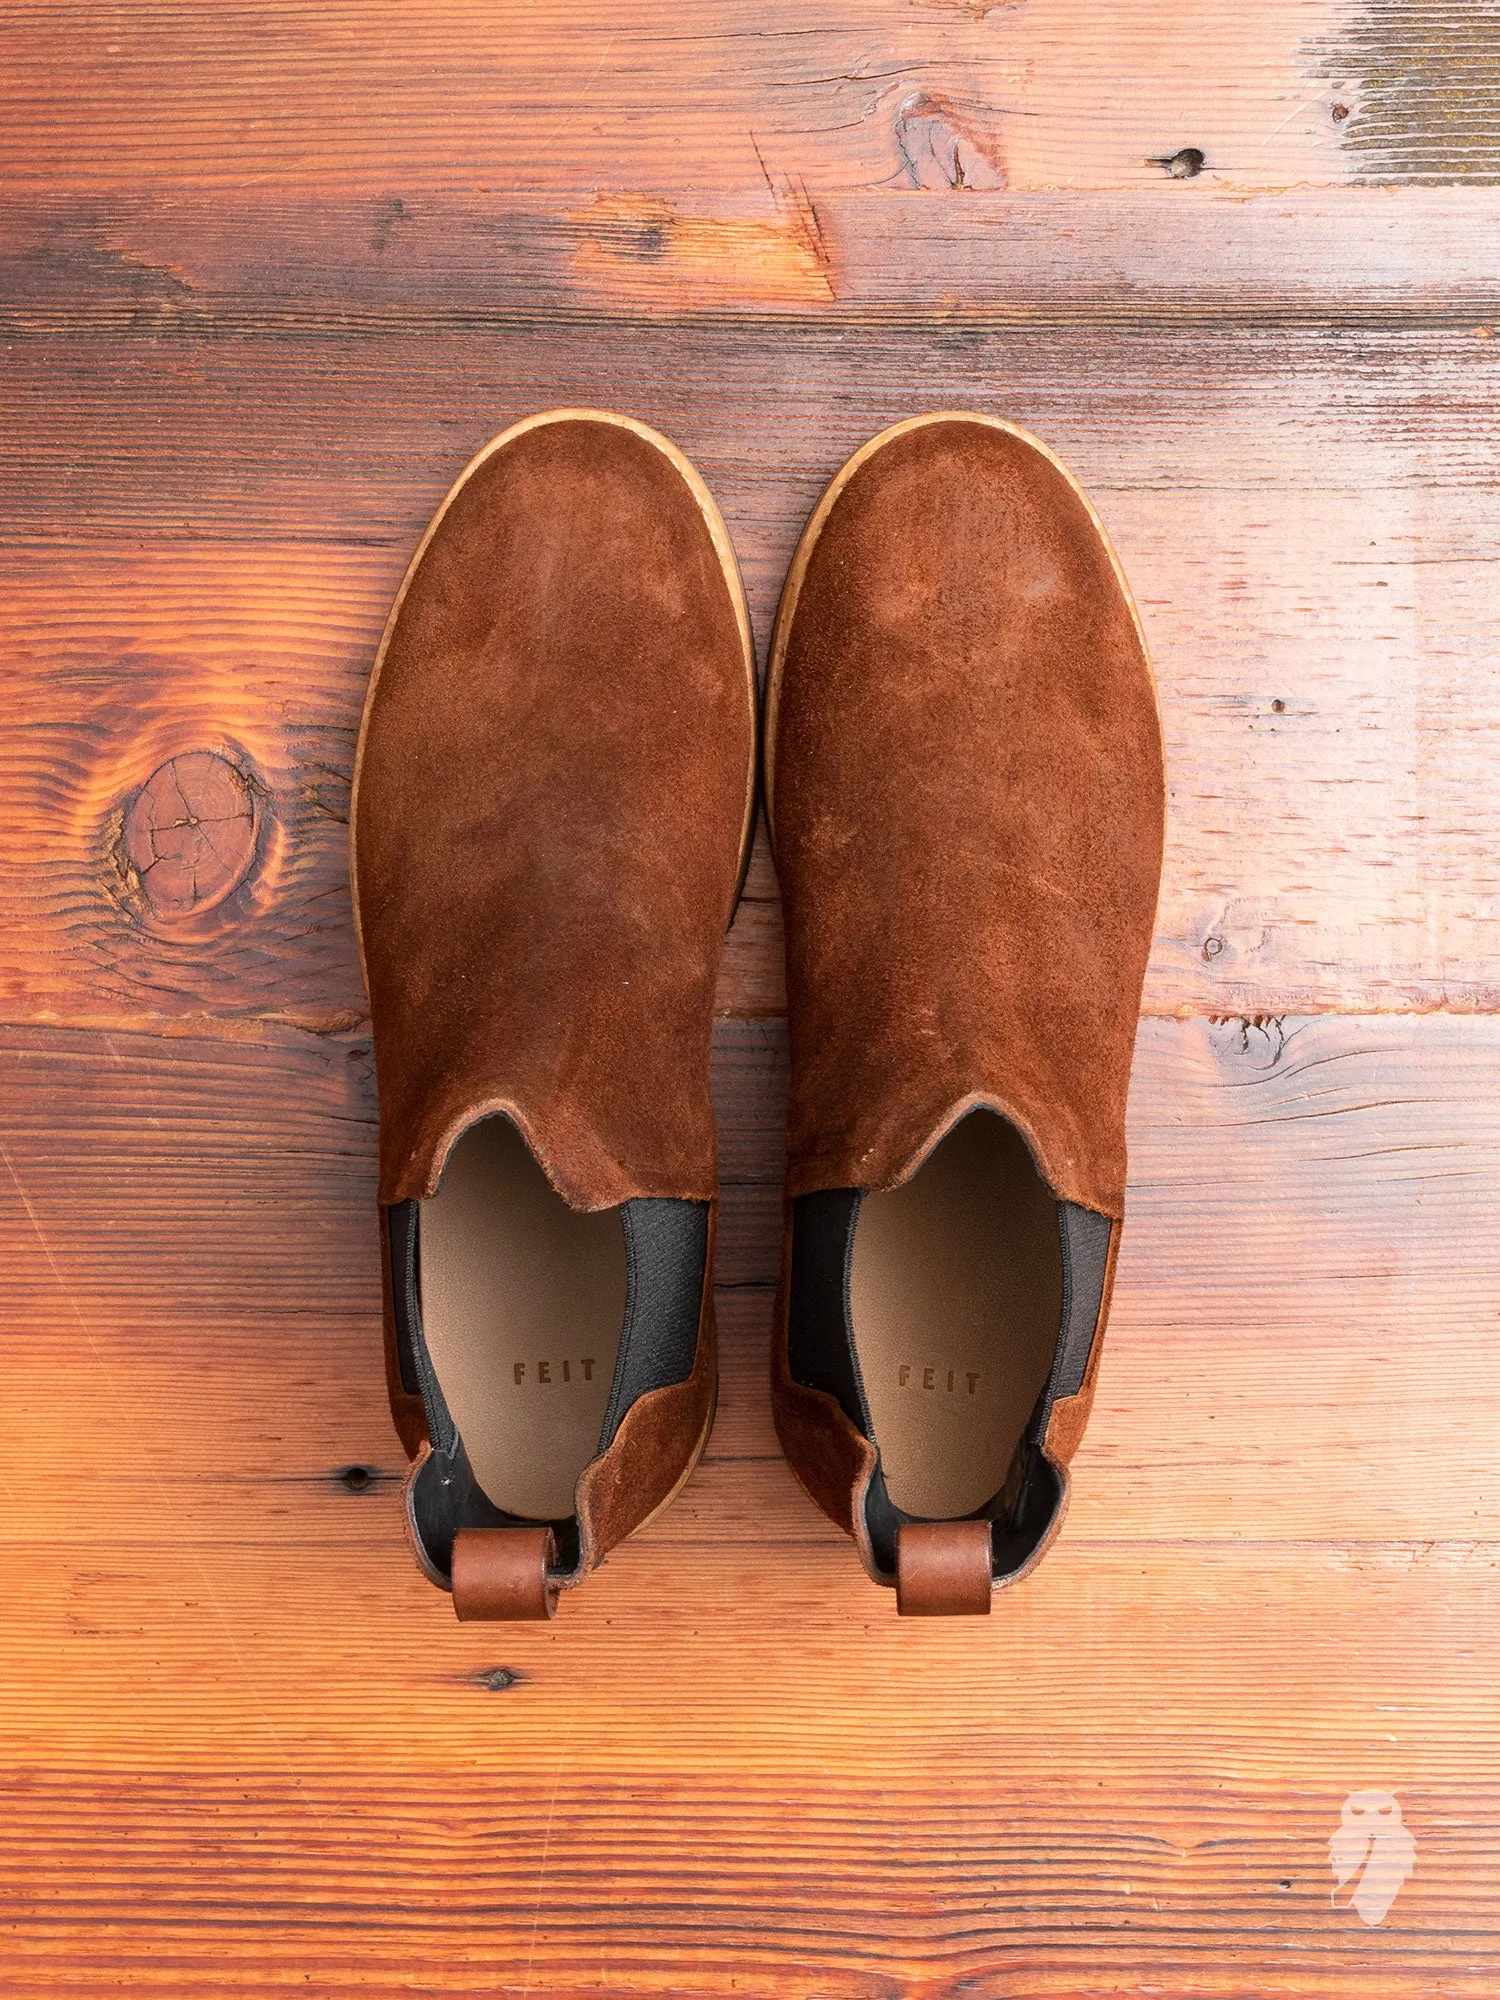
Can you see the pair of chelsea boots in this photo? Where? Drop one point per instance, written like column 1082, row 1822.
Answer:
column 555, row 793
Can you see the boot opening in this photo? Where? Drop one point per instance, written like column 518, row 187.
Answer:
column 955, row 1304
column 522, row 1307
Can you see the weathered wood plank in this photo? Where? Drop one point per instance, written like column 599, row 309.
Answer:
column 1318, row 591
column 1128, row 1782
column 267, row 276
column 390, row 101
column 175, row 266
column 1302, row 1344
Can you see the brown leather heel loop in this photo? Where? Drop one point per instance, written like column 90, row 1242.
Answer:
column 504, row 1573
column 943, row 1569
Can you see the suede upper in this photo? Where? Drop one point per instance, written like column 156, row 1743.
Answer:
column 967, row 802
column 551, row 804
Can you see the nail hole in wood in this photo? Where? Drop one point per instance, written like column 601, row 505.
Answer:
column 355, row 1477
column 1180, row 166
column 1340, row 113
column 1278, row 707
column 1212, row 946
column 495, row 1680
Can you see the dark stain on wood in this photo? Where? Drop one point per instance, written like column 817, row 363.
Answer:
column 1419, row 90
column 388, row 213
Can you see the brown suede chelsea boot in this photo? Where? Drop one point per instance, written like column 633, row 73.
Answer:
column 553, row 799
column 965, row 786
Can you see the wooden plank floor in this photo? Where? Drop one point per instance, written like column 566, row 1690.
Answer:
column 269, row 274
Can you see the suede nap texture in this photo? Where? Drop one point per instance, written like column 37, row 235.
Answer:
column 552, row 806
column 551, row 797
column 657, row 1445
column 967, row 803
column 967, row 799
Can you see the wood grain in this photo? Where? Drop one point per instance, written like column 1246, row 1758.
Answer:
column 174, row 265
column 268, row 275
column 1278, row 1582
column 389, row 100
column 346, row 1816
column 1318, row 590
column 1279, row 1172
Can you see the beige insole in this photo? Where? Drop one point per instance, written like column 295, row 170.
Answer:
column 523, row 1302
column 956, row 1305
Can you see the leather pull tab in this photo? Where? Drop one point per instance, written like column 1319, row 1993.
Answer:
column 504, row 1573
column 943, row 1569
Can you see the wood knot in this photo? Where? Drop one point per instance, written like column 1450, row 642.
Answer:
column 1251, row 1041
column 189, row 835
column 941, row 146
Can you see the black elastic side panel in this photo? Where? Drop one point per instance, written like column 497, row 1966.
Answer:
column 1085, row 1257
column 401, row 1223
column 445, row 1496
column 406, row 1290
column 820, row 1340
column 666, row 1249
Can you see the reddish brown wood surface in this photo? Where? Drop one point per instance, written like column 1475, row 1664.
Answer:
column 261, row 1738
column 1308, row 517
column 945, row 95
column 268, row 275
column 186, row 262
